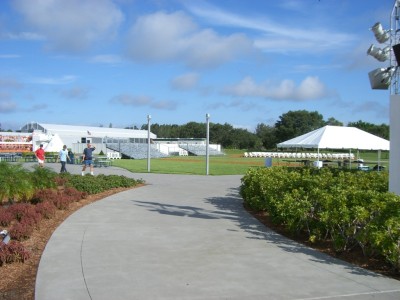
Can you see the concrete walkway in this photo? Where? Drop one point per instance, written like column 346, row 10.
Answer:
column 188, row 237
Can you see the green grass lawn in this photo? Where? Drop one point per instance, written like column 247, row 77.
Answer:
column 233, row 163
column 196, row 165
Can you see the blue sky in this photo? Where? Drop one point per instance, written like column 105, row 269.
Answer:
column 96, row 62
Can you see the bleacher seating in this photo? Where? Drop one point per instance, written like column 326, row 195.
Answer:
column 199, row 149
column 136, row 150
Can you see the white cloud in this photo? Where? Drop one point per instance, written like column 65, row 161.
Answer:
column 130, row 100
column 72, row 25
column 54, row 81
column 29, row 36
column 164, row 37
column 185, row 82
column 272, row 36
column 310, row 88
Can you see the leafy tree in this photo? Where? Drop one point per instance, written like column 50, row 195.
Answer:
column 243, row 139
column 332, row 121
column 378, row 130
column 193, row 130
column 267, row 135
column 290, row 124
column 164, row 131
column 295, row 123
column 222, row 134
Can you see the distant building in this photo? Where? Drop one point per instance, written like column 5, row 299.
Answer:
column 113, row 142
column 54, row 136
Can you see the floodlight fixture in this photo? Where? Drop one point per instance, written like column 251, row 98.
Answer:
column 381, row 35
column 380, row 78
column 378, row 53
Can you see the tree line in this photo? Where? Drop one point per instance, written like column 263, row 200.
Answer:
column 265, row 137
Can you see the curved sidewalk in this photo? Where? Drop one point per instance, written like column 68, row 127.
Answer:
column 188, row 237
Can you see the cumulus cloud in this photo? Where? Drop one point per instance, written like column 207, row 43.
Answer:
column 310, row 88
column 185, row 82
column 72, row 25
column 163, row 37
column 131, row 100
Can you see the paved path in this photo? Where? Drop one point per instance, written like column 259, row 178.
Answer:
column 188, row 237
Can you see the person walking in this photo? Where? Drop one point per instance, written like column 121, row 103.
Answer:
column 71, row 157
column 40, row 156
column 63, row 157
column 88, row 159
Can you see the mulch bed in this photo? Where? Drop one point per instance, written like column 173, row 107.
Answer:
column 17, row 280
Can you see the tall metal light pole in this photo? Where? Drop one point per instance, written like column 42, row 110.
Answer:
column 207, row 142
column 394, row 161
column 148, row 143
column 385, row 78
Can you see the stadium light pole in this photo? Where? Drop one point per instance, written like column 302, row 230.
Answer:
column 385, row 78
column 148, row 143
column 207, row 142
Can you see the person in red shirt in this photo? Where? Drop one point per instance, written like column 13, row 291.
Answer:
column 39, row 153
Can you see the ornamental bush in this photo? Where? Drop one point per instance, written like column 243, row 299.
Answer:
column 349, row 208
column 13, row 252
column 15, row 183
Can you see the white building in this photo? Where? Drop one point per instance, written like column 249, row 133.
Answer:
column 113, row 142
column 54, row 136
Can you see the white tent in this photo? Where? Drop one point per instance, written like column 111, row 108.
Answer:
column 337, row 137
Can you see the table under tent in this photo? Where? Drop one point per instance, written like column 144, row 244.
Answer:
column 338, row 137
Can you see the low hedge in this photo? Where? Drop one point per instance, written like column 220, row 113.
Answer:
column 349, row 208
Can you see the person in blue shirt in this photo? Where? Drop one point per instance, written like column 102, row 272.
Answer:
column 63, row 157
column 88, row 159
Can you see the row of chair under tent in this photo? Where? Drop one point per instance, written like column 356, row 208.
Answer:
column 302, row 155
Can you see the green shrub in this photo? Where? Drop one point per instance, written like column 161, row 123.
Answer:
column 43, row 178
column 350, row 209
column 15, row 183
column 97, row 184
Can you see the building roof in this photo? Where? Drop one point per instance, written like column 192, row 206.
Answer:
column 82, row 130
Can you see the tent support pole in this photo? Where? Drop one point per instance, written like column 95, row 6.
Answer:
column 350, row 157
column 379, row 160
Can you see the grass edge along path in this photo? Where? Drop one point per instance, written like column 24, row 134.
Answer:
column 233, row 163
